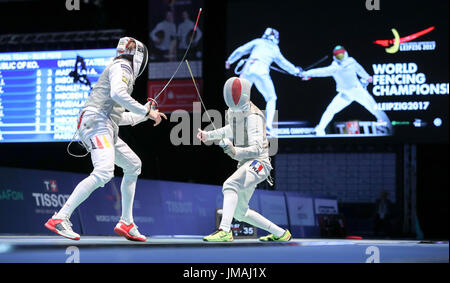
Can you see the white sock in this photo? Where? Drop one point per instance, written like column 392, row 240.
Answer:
column 127, row 189
column 254, row 218
column 81, row 192
column 230, row 200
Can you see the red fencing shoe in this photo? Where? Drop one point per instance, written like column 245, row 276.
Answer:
column 62, row 227
column 130, row 232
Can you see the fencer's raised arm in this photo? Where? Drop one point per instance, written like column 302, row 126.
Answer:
column 321, row 72
column 285, row 64
column 255, row 132
column 241, row 51
column 221, row 133
column 132, row 119
column 119, row 78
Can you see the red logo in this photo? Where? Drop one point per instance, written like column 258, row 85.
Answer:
column 352, row 128
column 397, row 40
column 51, row 186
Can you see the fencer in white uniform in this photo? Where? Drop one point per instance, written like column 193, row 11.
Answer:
column 263, row 52
column 250, row 147
column 345, row 70
column 98, row 128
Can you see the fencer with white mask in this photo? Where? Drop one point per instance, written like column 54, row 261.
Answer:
column 246, row 126
column 263, row 52
column 98, row 128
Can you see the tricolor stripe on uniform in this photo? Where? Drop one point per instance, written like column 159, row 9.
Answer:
column 81, row 118
column 257, row 168
column 100, row 142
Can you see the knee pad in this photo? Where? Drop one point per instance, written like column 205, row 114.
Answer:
column 102, row 176
column 240, row 214
column 230, row 185
column 271, row 98
column 134, row 168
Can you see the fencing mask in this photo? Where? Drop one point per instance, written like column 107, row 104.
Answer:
column 339, row 52
column 272, row 35
column 139, row 54
column 236, row 93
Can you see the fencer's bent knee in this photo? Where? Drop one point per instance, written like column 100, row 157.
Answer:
column 241, row 214
column 271, row 98
column 230, row 184
column 102, row 176
column 134, row 167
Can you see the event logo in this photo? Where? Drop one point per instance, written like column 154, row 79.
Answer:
column 404, row 44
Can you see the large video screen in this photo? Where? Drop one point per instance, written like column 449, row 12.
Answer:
column 368, row 69
column 39, row 98
column 172, row 38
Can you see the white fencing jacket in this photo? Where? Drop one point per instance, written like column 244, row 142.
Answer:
column 344, row 72
column 111, row 95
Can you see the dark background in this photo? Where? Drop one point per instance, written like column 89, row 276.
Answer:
column 207, row 164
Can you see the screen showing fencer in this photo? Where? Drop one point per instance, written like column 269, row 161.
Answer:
column 42, row 92
column 175, row 35
column 344, row 69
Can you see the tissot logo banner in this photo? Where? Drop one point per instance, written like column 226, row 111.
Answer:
column 405, row 43
column 33, row 196
column 49, row 197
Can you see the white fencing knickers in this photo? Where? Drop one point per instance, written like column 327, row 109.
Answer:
column 243, row 182
column 107, row 149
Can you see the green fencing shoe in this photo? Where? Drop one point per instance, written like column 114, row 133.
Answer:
column 219, row 236
column 272, row 238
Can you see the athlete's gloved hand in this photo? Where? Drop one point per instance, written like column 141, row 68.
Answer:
column 154, row 113
column 299, row 71
column 304, row 76
column 202, row 135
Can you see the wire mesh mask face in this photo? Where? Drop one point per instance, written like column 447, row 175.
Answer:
column 139, row 54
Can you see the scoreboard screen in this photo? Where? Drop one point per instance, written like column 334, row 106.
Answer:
column 42, row 92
